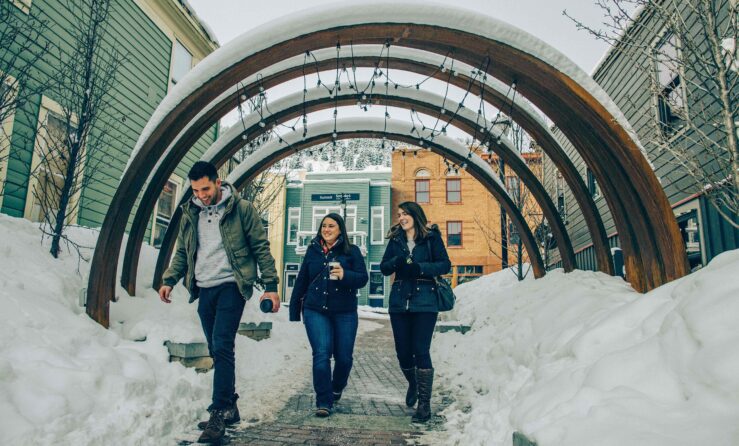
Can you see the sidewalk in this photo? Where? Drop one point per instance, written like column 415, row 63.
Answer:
column 372, row 410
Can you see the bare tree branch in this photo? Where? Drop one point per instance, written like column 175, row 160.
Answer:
column 691, row 73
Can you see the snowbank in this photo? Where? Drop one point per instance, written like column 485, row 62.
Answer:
column 582, row 359
column 66, row 380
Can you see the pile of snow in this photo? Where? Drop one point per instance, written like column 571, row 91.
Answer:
column 582, row 359
column 66, row 380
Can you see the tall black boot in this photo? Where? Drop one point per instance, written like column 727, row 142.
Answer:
column 425, row 380
column 411, row 396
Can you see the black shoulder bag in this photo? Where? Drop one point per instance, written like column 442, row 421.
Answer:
column 444, row 294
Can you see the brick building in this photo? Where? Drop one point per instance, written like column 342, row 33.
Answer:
column 462, row 208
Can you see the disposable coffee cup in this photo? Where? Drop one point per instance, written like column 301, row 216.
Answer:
column 330, row 267
column 266, row 306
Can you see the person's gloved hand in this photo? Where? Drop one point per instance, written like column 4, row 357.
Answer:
column 398, row 262
column 411, row 270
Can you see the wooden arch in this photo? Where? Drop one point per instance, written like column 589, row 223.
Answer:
column 318, row 99
column 647, row 228
column 417, row 61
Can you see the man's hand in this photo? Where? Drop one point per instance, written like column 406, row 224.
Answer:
column 274, row 298
column 164, row 292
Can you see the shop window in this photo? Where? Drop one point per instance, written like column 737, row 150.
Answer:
column 467, row 273
column 376, row 281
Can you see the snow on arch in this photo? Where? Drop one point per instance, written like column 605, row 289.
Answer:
column 324, row 17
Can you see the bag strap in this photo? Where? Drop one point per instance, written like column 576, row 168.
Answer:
column 431, row 256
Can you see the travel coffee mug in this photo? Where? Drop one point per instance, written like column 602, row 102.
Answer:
column 266, row 306
column 330, row 267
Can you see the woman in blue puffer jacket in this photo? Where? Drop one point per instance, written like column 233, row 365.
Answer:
column 325, row 293
column 416, row 255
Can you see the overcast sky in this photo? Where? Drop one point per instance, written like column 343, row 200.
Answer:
column 543, row 18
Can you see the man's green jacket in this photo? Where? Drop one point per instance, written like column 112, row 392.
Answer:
column 244, row 240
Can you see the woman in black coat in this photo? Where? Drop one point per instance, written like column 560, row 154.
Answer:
column 325, row 293
column 416, row 255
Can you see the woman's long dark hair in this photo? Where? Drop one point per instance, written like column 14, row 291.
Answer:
column 342, row 243
column 420, row 221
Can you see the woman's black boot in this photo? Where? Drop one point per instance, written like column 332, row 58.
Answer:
column 411, row 396
column 425, row 380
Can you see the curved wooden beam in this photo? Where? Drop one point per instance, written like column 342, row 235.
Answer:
column 428, row 64
column 425, row 102
column 577, row 105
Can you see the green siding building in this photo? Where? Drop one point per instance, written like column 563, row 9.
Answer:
column 161, row 40
column 706, row 234
column 368, row 215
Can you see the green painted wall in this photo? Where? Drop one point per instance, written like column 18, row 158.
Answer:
column 373, row 189
column 142, row 83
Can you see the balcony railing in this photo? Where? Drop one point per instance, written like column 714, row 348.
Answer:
column 358, row 238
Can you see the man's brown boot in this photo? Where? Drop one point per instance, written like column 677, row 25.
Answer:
column 215, row 429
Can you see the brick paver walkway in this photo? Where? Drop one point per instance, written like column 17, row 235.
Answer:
column 372, row 409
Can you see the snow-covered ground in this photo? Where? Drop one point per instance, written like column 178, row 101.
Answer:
column 571, row 359
column 582, row 359
column 66, row 380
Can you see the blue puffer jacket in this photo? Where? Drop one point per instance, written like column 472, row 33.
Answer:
column 414, row 288
column 317, row 292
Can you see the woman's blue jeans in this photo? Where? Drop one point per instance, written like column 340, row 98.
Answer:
column 330, row 334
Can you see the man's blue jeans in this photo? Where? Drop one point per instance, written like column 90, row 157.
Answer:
column 220, row 309
column 330, row 334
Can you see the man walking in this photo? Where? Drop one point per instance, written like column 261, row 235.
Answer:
column 220, row 243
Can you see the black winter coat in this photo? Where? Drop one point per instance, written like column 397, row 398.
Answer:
column 317, row 292
column 412, row 292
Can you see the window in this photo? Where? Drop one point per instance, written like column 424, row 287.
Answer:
column 670, row 99
column 265, row 223
column 164, row 209
column 422, row 191
column 423, row 186
column 561, row 205
column 513, row 185
column 453, row 190
column 7, row 93
column 593, row 187
column 467, row 273
column 454, row 233
column 690, row 229
column 376, row 281
column 23, row 5
column 293, row 225
column 181, row 62
column 49, row 166
column 378, row 225
column 350, row 218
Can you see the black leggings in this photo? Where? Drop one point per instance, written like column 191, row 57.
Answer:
column 412, row 333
